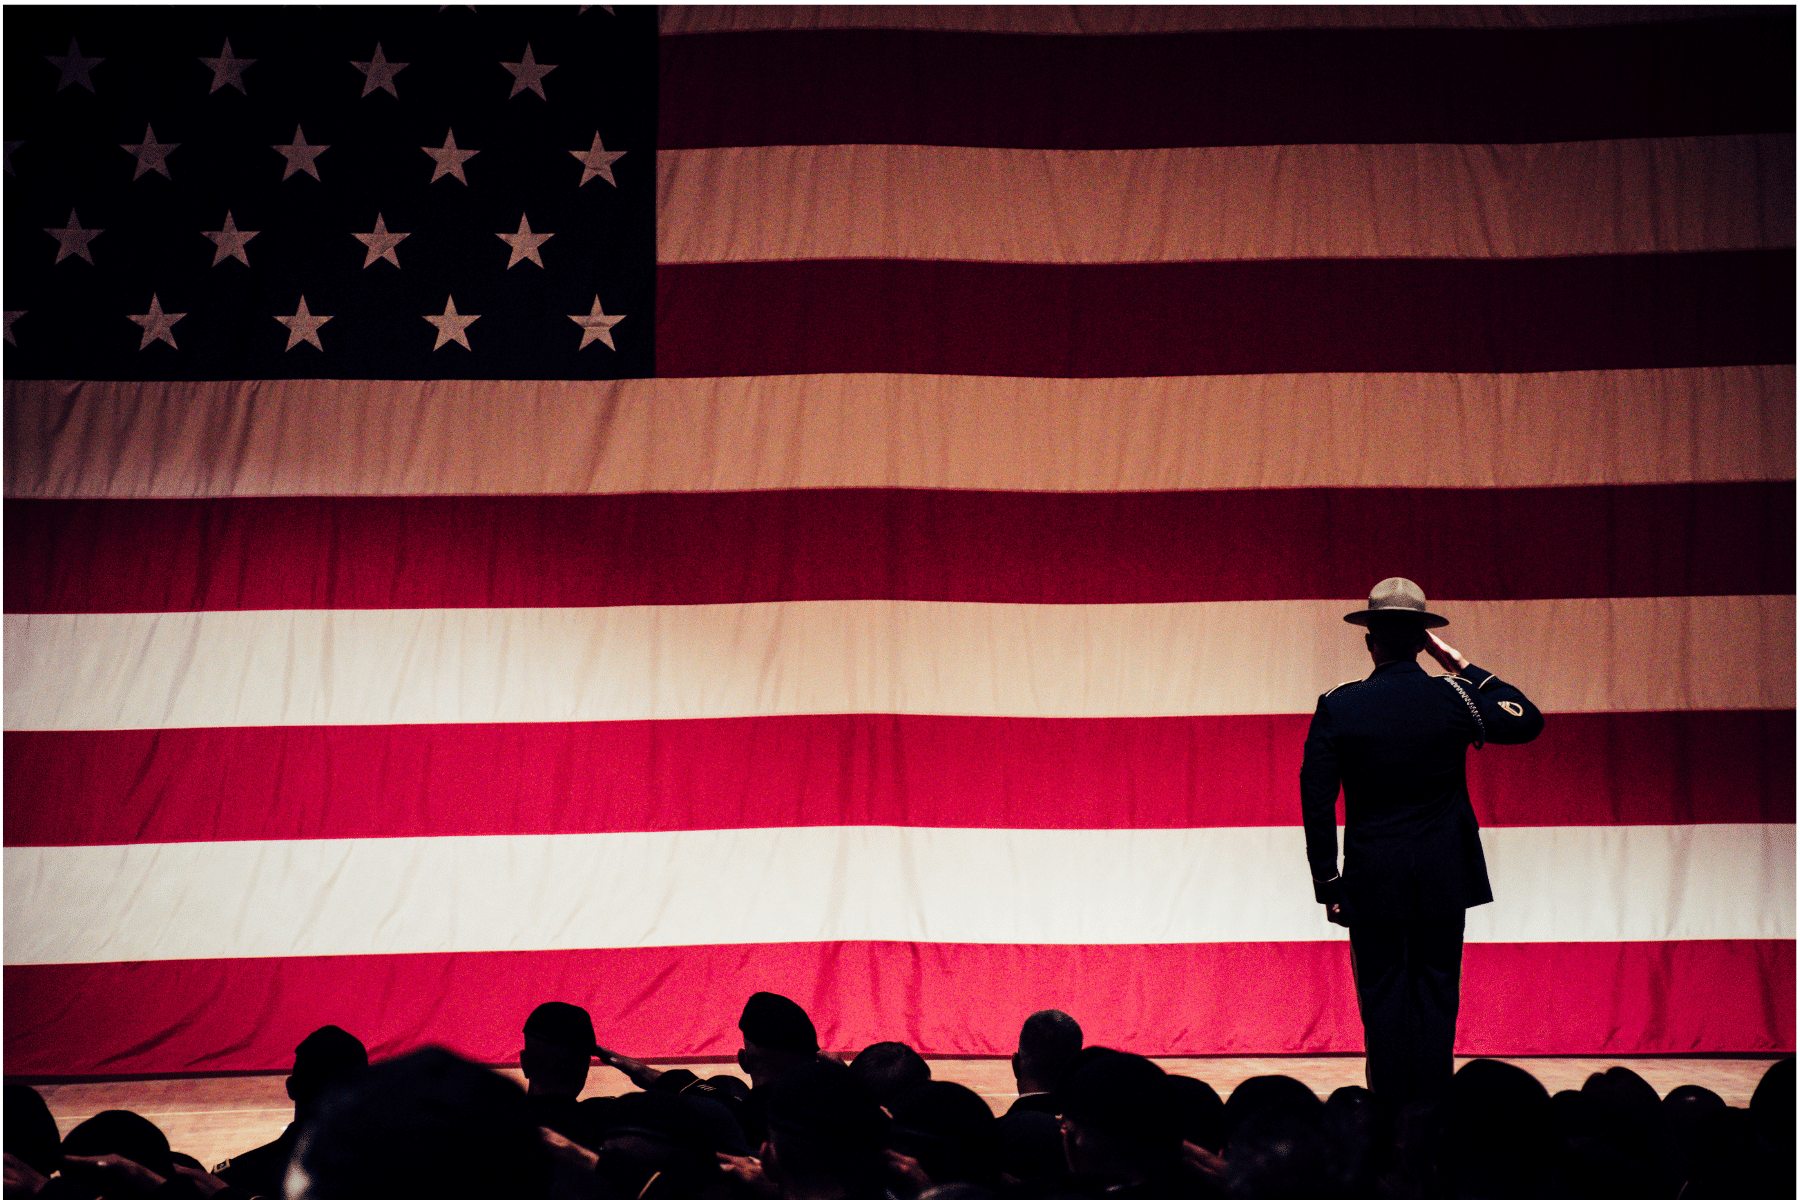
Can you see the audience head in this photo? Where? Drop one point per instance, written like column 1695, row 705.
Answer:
column 889, row 1068
column 1626, row 1110
column 426, row 1124
column 778, row 1038
column 1773, row 1104
column 1200, row 1112
column 948, row 1130
column 825, row 1132
column 1120, row 1121
column 325, row 1058
column 559, row 1044
column 1498, row 1127
column 30, row 1129
column 1261, row 1092
column 657, row 1144
column 1047, row 1041
column 1284, row 1152
column 126, row 1134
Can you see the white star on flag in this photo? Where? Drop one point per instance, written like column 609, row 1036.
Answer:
column 303, row 326
column 528, row 73
column 227, row 70
column 300, row 156
column 596, row 326
column 524, row 243
column 74, row 67
column 380, row 242
column 452, row 326
column 157, row 324
column 151, row 154
column 13, row 314
column 230, row 241
column 378, row 72
column 449, row 159
column 73, row 239
column 597, row 160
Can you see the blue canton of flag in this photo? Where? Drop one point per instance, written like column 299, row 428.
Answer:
column 352, row 193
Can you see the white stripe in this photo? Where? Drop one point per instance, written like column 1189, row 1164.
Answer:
column 979, row 204
column 358, row 437
column 407, row 666
column 1161, row 18
column 578, row 891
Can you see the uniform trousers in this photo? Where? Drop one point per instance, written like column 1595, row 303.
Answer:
column 1408, row 985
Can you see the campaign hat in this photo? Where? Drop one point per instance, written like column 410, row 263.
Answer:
column 1396, row 597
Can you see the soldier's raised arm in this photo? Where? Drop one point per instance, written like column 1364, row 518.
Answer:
column 1507, row 715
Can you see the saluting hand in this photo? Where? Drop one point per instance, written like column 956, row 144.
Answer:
column 1448, row 656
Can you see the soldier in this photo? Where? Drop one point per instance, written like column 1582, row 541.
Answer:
column 1396, row 742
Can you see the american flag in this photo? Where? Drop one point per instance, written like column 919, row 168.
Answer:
column 640, row 506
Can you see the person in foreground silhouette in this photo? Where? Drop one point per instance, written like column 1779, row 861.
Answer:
column 1047, row 1041
column 1396, row 742
column 778, row 1039
column 427, row 1124
column 559, row 1047
column 889, row 1068
column 327, row 1057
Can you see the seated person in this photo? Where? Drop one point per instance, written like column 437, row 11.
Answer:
column 326, row 1057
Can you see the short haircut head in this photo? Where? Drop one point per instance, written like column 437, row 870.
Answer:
column 31, row 1132
column 1773, row 1103
column 566, row 1025
column 427, row 1124
column 1399, row 636
column 1260, row 1092
column 121, row 1132
column 1201, row 1112
column 1124, row 1095
column 889, row 1068
column 1047, row 1041
column 1499, row 1124
column 559, row 1042
column 949, row 1130
column 324, row 1058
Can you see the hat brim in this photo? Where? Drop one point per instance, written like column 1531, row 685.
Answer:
column 1363, row 616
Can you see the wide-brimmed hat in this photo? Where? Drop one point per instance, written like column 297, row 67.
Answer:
column 1396, row 597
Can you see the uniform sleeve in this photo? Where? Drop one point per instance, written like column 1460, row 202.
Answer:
column 1318, row 806
column 1509, row 718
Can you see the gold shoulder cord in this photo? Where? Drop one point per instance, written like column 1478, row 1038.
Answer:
column 1473, row 711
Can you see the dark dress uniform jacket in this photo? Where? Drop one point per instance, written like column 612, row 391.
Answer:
column 1396, row 742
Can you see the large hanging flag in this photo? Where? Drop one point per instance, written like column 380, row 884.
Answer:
column 638, row 508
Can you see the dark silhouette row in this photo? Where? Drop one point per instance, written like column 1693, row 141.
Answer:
column 1090, row 1123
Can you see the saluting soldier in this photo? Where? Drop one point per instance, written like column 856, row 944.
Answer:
column 1396, row 743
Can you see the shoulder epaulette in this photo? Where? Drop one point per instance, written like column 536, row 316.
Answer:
column 1346, row 683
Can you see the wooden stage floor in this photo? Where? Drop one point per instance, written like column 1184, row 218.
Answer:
column 215, row 1117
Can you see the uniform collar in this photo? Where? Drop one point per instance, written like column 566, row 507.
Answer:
column 1404, row 667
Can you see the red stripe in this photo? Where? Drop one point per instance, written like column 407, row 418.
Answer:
column 896, row 544
column 1227, row 89
column 263, row 783
column 1226, row 318
column 1217, row 998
